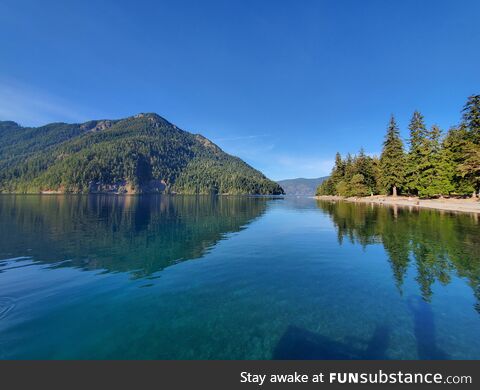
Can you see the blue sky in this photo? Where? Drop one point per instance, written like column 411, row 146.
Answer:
column 281, row 84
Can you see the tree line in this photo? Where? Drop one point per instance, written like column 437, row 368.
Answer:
column 434, row 164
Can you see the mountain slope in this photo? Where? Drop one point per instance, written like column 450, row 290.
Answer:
column 143, row 153
column 301, row 186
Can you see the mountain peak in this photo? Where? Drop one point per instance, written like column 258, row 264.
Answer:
column 8, row 124
column 153, row 117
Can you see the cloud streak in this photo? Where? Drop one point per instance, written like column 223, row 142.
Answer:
column 241, row 138
column 32, row 107
column 276, row 164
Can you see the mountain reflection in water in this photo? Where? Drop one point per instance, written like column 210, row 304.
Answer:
column 107, row 277
column 137, row 234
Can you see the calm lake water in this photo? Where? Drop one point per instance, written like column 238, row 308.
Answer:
column 158, row 277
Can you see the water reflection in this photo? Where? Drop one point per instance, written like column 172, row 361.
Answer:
column 141, row 234
column 437, row 243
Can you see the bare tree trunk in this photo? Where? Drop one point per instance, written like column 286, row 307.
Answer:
column 394, row 191
column 474, row 195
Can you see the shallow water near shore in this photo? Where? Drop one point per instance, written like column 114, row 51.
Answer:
column 159, row 277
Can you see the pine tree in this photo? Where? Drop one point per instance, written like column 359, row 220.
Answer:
column 444, row 167
column 416, row 154
column 338, row 170
column 392, row 160
column 454, row 146
column 342, row 188
column 357, row 186
column 469, row 168
column 436, row 170
column 364, row 166
column 349, row 167
column 329, row 186
column 426, row 165
column 471, row 118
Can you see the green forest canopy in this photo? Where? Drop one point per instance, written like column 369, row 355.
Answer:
column 434, row 164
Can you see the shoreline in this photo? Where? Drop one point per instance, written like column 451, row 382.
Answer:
column 446, row 204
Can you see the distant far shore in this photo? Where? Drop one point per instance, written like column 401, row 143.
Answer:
column 469, row 205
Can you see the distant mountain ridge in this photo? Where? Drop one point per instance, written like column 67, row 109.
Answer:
column 301, row 186
column 140, row 154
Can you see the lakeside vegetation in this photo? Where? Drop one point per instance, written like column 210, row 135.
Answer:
column 434, row 164
column 144, row 153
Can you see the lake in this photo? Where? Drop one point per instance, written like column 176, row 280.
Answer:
column 173, row 277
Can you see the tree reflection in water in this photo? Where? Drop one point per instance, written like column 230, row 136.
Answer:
column 436, row 243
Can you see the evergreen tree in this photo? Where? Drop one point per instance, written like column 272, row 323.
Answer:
column 364, row 165
column 342, row 188
column 471, row 118
column 416, row 154
column 469, row 168
column 349, row 167
column 455, row 145
column 392, row 160
column 435, row 170
column 338, row 170
column 358, row 186
column 444, row 168
column 328, row 187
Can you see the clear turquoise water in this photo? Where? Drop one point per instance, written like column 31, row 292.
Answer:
column 151, row 277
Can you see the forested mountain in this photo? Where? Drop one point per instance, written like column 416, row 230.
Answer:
column 301, row 186
column 143, row 153
column 434, row 165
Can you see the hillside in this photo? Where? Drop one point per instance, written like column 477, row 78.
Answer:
column 300, row 186
column 140, row 154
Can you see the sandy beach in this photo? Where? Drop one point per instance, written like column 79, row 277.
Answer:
column 469, row 205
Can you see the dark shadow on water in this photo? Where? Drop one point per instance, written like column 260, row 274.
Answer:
column 378, row 344
column 424, row 327
column 301, row 344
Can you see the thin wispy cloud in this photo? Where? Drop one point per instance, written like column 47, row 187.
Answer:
column 298, row 166
column 276, row 164
column 31, row 106
column 241, row 138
